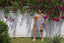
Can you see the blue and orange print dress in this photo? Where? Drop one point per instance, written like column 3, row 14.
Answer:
column 39, row 23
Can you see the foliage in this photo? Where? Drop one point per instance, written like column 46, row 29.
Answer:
column 52, row 8
column 16, row 3
column 12, row 4
column 4, row 37
column 56, row 39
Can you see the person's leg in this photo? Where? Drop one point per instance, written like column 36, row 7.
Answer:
column 41, row 35
column 34, row 35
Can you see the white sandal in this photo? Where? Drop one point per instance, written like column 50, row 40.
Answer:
column 33, row 40
column 41, row 39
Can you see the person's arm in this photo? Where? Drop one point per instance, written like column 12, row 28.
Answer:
column 34, row 22
column 44, row 15
column 43, row 23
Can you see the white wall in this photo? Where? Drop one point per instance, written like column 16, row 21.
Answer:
column 23, row 24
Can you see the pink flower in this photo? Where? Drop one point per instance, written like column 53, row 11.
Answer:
column 48, row 15
column 62, row 17
column 29, row 8
column 12, row 20
column 39, row 0
column 54, row 9
column 33, row 7
column 51, row 6
column 14, row 9
column 6, row 17
column 61, row 8
column 54, row 19
column 37, row 4
column 49, row 0
column 43, row 0
column 49, row 11
column 24, row 0
column 42, row 9
column 58, row 12
column 45, row 17
column 57, row 19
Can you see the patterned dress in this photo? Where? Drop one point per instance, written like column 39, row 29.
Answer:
column 39, row 23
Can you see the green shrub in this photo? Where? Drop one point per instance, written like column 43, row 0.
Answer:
column 4, row 37
column 56, row 39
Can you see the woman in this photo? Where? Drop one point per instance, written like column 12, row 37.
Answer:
column 39, row 24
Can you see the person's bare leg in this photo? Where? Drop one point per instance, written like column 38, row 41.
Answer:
column 34, row 35
column 42, row 35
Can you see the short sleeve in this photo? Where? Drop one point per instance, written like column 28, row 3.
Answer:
column 34, row 19
column 43, row 15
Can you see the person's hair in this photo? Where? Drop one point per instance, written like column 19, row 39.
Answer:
column 39, row 10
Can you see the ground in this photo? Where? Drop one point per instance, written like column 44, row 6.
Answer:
column 29, row 40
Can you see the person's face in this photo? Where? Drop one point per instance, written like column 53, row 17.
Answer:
column 39, row 12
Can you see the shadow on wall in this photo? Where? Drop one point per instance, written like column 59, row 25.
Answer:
column 13, row 24
column 48, row 30
column 28, row 23
column 2, row 15
column 52, row 29
column 22, row 20
column 56, row 28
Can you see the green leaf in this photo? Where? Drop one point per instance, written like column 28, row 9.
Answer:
column 16, row 4
column 16, row 12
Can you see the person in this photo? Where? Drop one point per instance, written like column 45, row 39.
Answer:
column 39, row 24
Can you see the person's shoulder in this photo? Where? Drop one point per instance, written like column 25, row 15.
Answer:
column 35, row 14
column 43, row 14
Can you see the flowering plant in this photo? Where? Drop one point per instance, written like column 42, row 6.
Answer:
column 52, row 8
column 13, row 5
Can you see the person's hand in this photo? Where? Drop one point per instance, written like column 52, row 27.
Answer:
column 34, row 25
